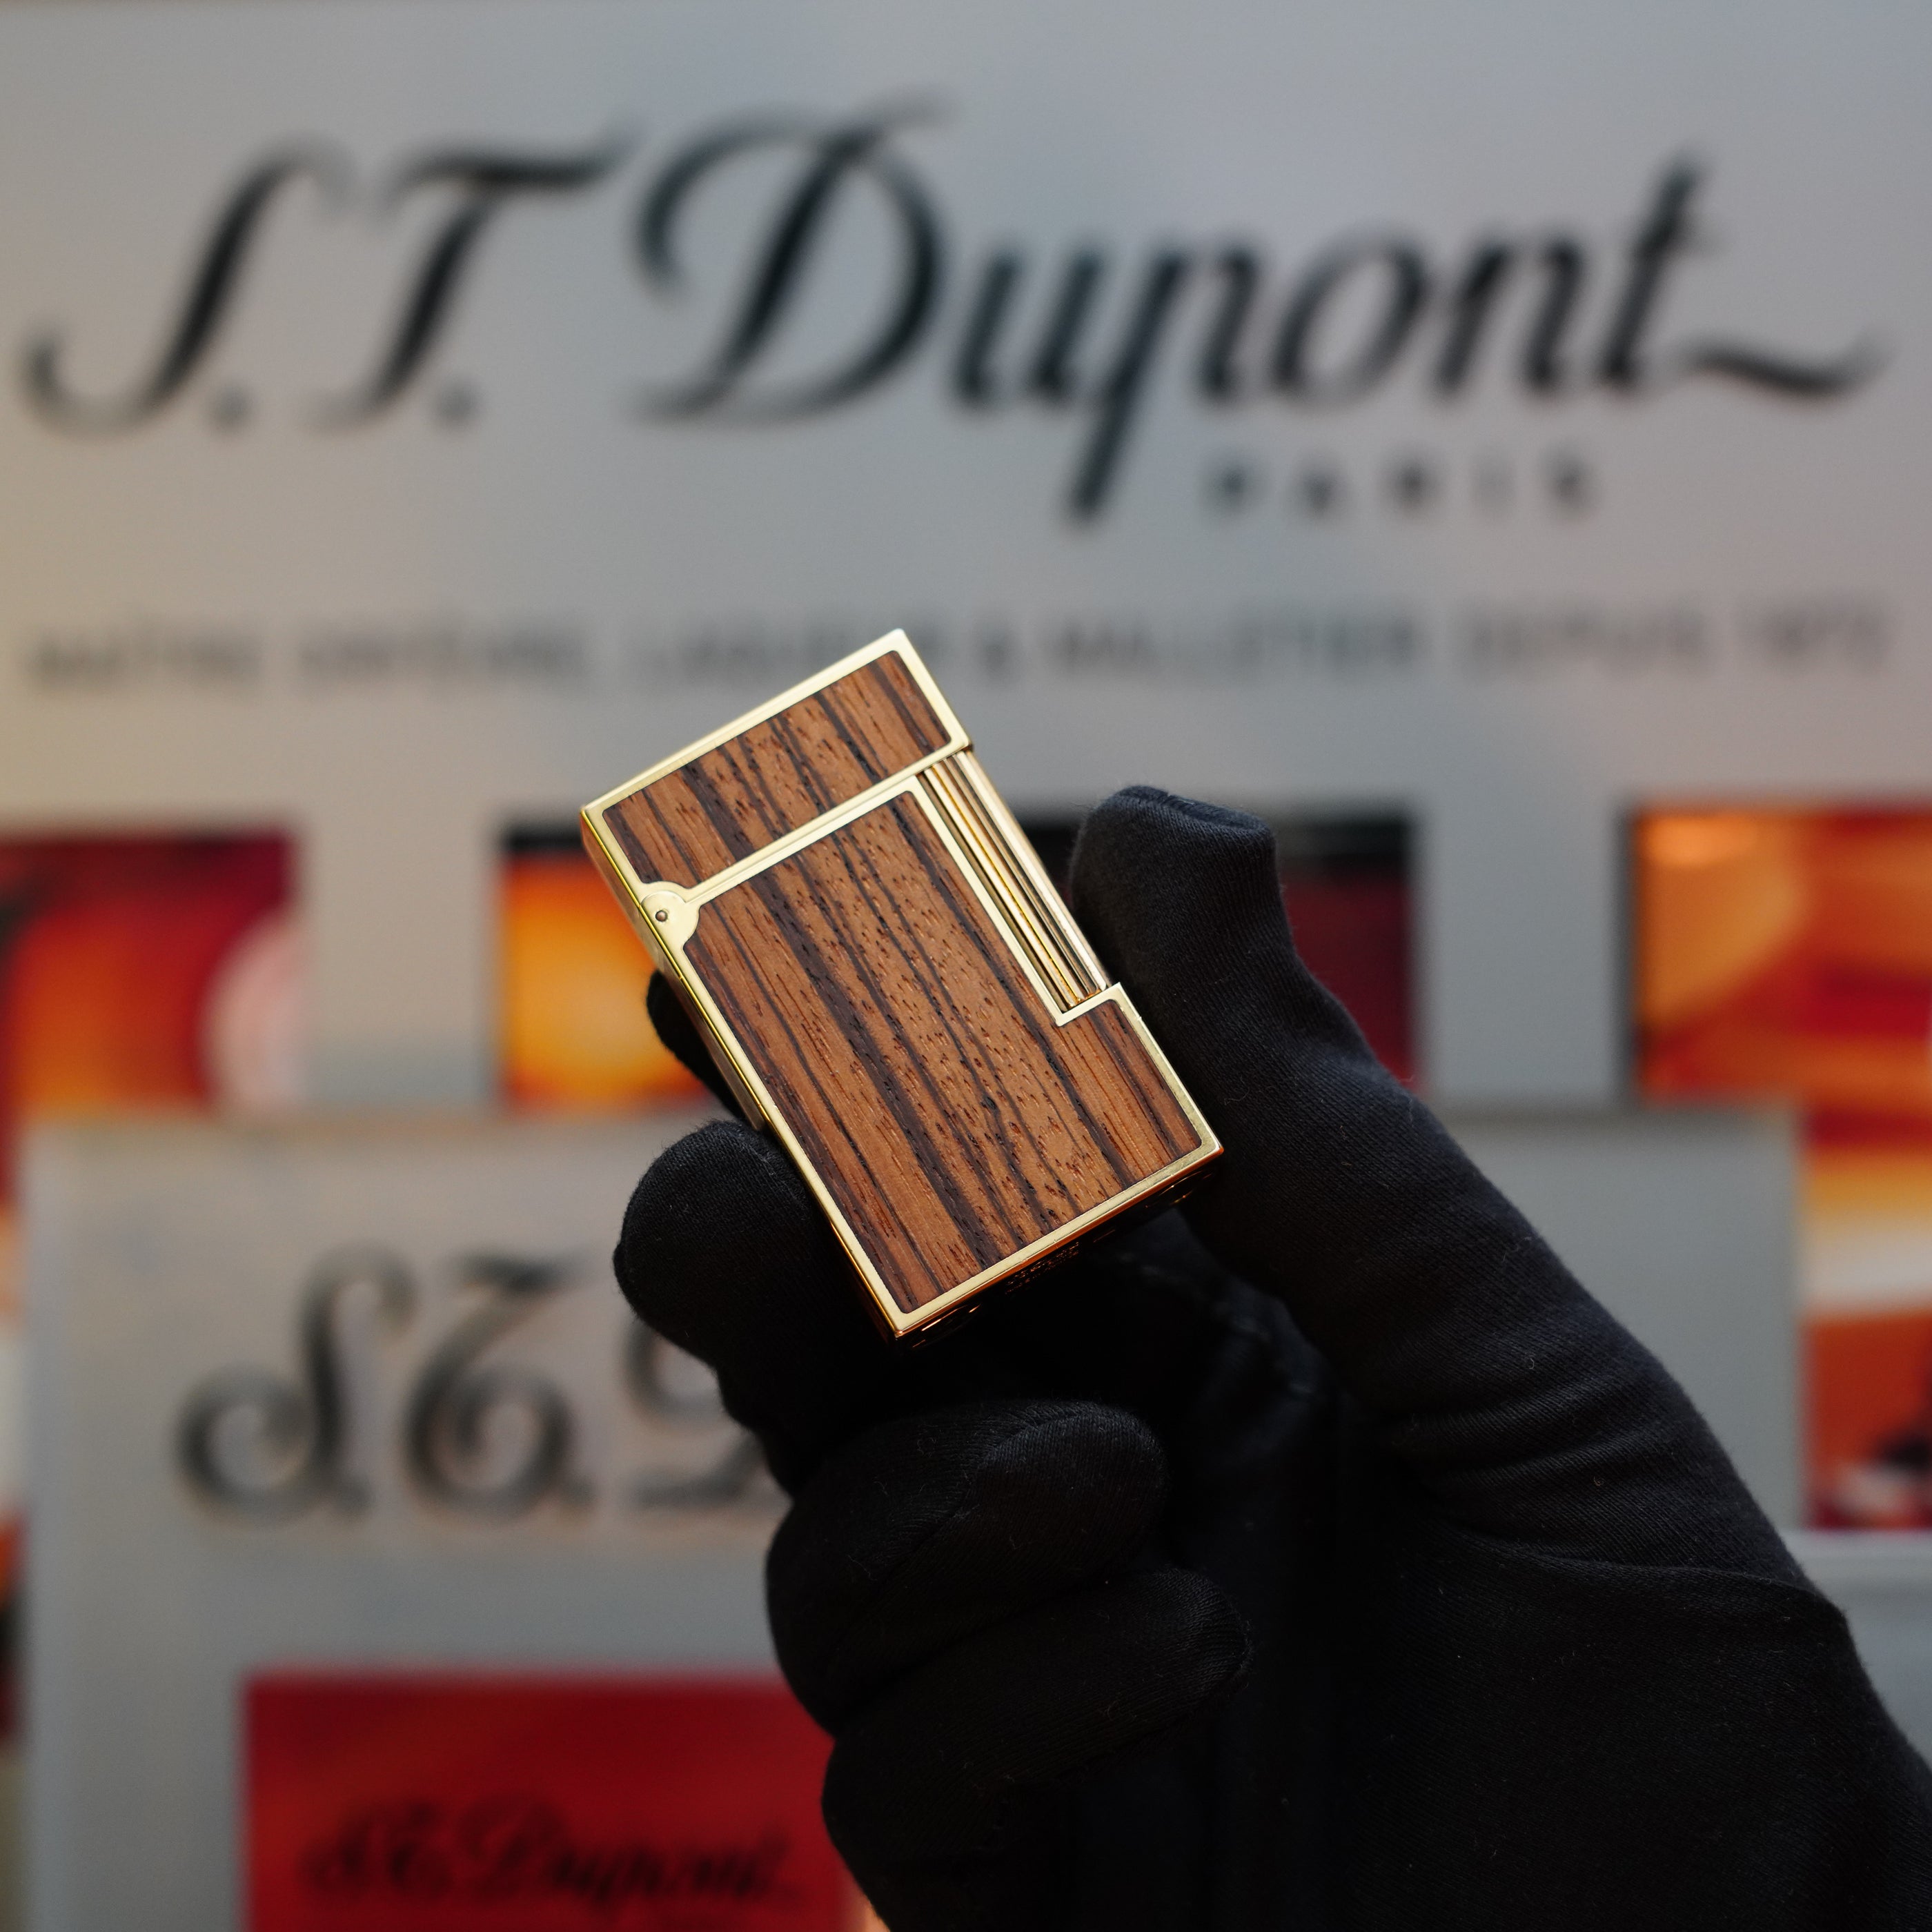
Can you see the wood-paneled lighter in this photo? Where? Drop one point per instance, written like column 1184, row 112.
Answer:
column 891, row 985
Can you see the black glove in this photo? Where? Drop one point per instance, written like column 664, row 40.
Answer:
column 1320, row 1556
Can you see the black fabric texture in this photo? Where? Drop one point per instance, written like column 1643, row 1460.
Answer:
column 1318, row 1556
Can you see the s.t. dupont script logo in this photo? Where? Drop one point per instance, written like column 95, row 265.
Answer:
column 1083, row 330
column 477, row 1432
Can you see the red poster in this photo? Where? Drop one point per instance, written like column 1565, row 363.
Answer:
column 464, row 1803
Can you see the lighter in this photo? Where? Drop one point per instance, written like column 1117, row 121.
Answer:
column 889, row 983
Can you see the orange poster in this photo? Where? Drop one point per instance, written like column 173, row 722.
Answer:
column 150, row 969
column 1786, row 952
column 572, row 1031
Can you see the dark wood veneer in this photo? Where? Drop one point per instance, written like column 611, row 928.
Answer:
column 734, row 799
column 949, row 1116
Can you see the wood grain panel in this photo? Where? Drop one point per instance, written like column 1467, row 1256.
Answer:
column 952, row 1119
column 738, row 796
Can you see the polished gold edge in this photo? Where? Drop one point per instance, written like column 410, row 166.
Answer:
column 893, row 641
column 1044, row 889
column 1210, row 1140
column 1056, row 1006
column 998, row 870
column 1029, row 879
column 1078, row 969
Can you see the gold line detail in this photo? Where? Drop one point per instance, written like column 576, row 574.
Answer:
column 1069, row 978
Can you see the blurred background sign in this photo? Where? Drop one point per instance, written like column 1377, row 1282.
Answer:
column 1490, row 445
column 421, row 1803
column 1788, row 952
column 333, row 1399
column 314, row 1404
column 1505, row 418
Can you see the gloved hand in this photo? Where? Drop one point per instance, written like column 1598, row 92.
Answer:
column 1321, row 1555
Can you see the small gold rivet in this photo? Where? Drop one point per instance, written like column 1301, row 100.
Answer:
column 660, row 916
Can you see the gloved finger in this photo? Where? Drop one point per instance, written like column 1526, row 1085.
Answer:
column 679, row 1032
column 1512, row 1394
column 725, row 1252
column 927, row 1528
column 928, row 1787
column 1327, row 1160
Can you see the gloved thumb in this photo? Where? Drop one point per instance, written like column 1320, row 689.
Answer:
column 1326, row 1152
column 1515, row 1397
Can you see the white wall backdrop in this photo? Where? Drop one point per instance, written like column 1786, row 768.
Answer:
column 412, row 418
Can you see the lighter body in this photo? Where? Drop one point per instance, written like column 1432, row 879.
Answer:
column 890, row 984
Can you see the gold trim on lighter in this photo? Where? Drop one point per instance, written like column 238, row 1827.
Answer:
column 1002, row 872
column 893, row 641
